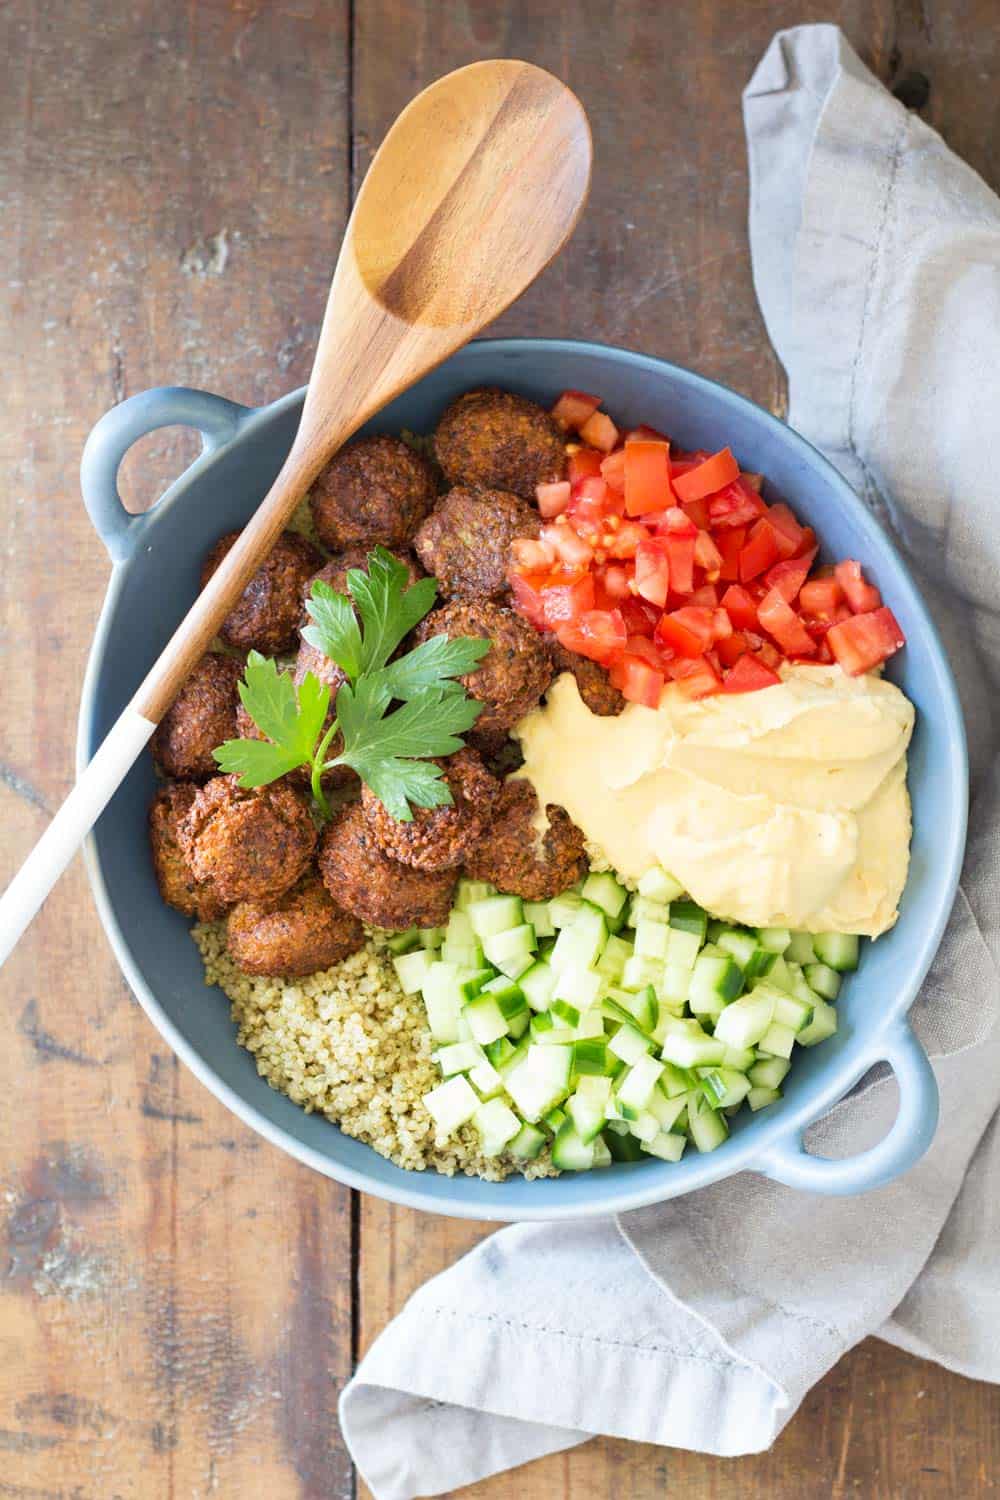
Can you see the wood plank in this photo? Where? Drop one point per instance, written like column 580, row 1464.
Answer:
column 175, row 1295
column 660, row 263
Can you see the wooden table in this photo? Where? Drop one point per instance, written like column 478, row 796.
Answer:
column 181, row 1304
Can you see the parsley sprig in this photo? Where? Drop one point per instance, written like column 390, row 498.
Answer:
column 391, row 715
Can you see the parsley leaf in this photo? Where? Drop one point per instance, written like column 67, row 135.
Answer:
column 335, row 630
column 433, row 660
column 290, row 718
column 388, row 605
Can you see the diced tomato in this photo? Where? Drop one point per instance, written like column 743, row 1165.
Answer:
column 567, row 599
column 626, row 540
column 730, row 545
column 779, row 619
column 574, row 408
column 697, row 512
column 613, row 470
column 709, row 477
column 647, row 477
column 789, row 575
column 820, row 598
column 681, row 550
column 736, row 505
column 531, row 556
column 645, row 434
column 732, row 648
column 722, row 625
column 640, row 618
column 652, row 569
column 642, row 646
column 807, row 542
column 552, row 498
column 749, row 675
column 591, row 502
column 570, row 548
column 706, row 596
column 861, row 596
column 686, row 632
column 787, row 531
column 600, row 432
column 823, row 653
column 637, row 681
column 599, row 634
column 528, row 596
column 707, row 555
column 752, row 481
column 760, row 551
column 740, row 608
column 865, row 640
column 616, row 581
column 697, row 678
column 583, row 462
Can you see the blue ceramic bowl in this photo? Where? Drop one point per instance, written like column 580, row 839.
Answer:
column 156, row 560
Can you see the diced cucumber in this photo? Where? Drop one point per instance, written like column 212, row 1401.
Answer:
column 714, row 982
column 540, row 1081
column 739, row 942
column 740, row 1058
column 587, row 1105
column 507, row 993
column 580, row 986
column 485, row 1079
column 822, row 1025
column 518, row 1024
column 774, row 939
column 497, row 1124
column 495, row 914
column 630, row 1044
column 500, row 1052
column 723, row 1087
column 538, row 982
column 403, row 942
column 611, row 964
column 468, row 891
column 580, row 945
column 688, row 916
column 554, row 1118
column 792, row 1012
column 837, row 949
column 675, row 984
column 565, row 1012
column 666, row 1111
column 744, row 1021
column 675, row 1082
column 639, row 971
column 452, row 1103
column 471, row 981
column 800, row 950
column 686, row 1045
column 660, row 886
column 487, row 1021
column 462, row 955
column 569, row 1153
column 636, row 1087
column 564, row 909
column 411, row 970
column 781, row 976
column 761, row 1098
column 590, row 1025
column 645, row 1126
column 651, row 939
column 778, row 1040
column 646, row 909
column 684, row 946
column 459, row 928
column 640, row 1005
column 459, row 1057
column 543, row 1024
column 622, row 1147
column 824, row 980
column 527, row 1144
column 442, row 1001
column 602, row 1156
column 537, row 913
column 769, row 1072
column 668, row 1145
column 590, row 1057
column 603, row 890
column 706, row 1126
column 431, row 937
column 514, row 946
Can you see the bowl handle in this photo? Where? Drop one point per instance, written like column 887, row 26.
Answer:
column 168, row 406
column 790, row 1163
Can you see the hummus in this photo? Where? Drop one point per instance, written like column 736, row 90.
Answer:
column 781, row 808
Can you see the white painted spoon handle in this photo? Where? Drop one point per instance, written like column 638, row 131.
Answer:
column 70, row 826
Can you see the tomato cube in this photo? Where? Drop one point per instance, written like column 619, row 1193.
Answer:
column 696, row 678
column 647, row 477
column 730, row 545
column 863, row 641
column 574, row 408
column 736, row 505
column 531, row 556
column 779, row 619
column 709, row 477
column 789, row 575
column 613, row 470
column 552, row 498
column 652, row 569
column 686, row 632
column 787, row 531
column 598, row 634
column 820, row 597
column 732, row 648
column 861, row 596
column 600, row 432
column 570, row 548
column 707, row 555
column 582, row 463
column 748, row 675
column 706, row 597
column 567, row 599
column 637, row 681
column 740, row 607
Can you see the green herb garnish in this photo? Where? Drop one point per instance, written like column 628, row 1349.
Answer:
column 387, row 746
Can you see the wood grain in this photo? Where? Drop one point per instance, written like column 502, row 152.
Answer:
column 163, row 1272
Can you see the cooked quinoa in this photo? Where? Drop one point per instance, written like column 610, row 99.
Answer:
column 347, row 1043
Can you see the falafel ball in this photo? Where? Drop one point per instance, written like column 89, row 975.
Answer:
column 593, row 682
column 201, row 717
column 336, row 570
column 376, row 490
column 513, row 674
column 500, row 440
column 266, row 616
column 438, row 838
column 253, row 843
column 466, row 541
column 513, row 857
column 174, row 876
column 375, row 888
column 301, row 932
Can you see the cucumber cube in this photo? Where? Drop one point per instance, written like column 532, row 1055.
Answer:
column 714, row 982
column 686, row 1045
column 740, row 943
column 411, row 970
column 538, row 983
column 837, row 949
column 611, row 964
column 660, row 886
column 744, row 1021
column 563, row 1011
column 706, row 1126
column 602, row 1156
column 487, row 1021
column 675, row 985
column 497, row 1124
column 507, row 993
column 516, row 943
column 761, row 1098
column 644, row 1126
column 431, row 937
column 564, row 909
column 623, row 1147
column 495, row 914
column 769, row 1072
column 442, row 1001
column 586, row 1107
column 580, row 987
column 824, row 980
column 459, row 1057
column 687, row 916
column 630, row 1044
column 603, row 890
column 774, row 939
column 485, row 1079
column 822, row 1025
column 527, row 1144
column 683, row 949
column 640, row 971
column 675, row 1082
column 723, row 1087
column 540, row 1081
column 580, row 945
column 403, row 942
column 468, row 891
column 569, row 1153
column 667, row 1111
column 792, row 1012
column 451, row 1104
column 590, row 1057
column 636, row 1088
column 537, row 913
column 740, row 1058
column 500, row 1052
column 800, row 950
column 777, row 1040
column 668, row 1146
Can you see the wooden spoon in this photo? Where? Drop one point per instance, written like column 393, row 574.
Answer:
column 477, row 186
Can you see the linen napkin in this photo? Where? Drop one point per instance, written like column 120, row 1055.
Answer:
column 702, row 1322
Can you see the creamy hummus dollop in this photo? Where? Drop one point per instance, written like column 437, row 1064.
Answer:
column 781, row 808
